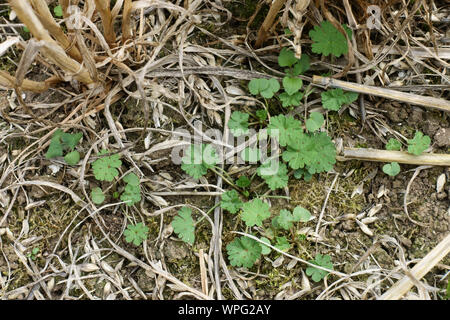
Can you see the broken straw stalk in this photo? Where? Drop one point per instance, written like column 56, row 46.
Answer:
column 430, row 102
column 367, row 154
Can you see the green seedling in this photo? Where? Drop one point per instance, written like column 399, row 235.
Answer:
column 315, row 152
column 282, row 244
column 314, row 122
column 393, row 144
column 336, row 98
column 274, row 179
column 419, row 143
column 243, row 182
column 64, row 142
column 328, row 40
column 238, row 123
column 265, row 250
column 58, row 11
column 322, row 261
column 105, row 167
column 230, row 201
column 184, row 226
column 243, row 252
column 33, row 254
column 132, row 192
column 136, row 234
column 198, row 160
column 299, row 173
column 284, row 129
column 392, row 169
column 97, row 195
column 266, row 88
column 254, row 212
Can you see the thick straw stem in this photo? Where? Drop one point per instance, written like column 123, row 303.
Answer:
column 51, row 49
column 411, row 98
column 107, row 21
column 268, row 21
column 400, row 288
column 54, row 29
column 433, row 159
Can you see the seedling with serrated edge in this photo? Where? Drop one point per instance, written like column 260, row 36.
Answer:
column 64, row 142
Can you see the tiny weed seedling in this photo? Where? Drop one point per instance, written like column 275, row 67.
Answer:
column 392, row 169
column 136, row 234
column 132, row 192
column 322, row 261
column 336, row 98
column 105, row 168
column 230, row 201
column 198, row 160
column 254, row 212
column 58, row 11
column 418, row 144
column 33, row 254
column 328, row 40
column 393, row 144
column 63, row 142
column 243, row 252
column 184, row 226
column 238, row 123
column 97, row 195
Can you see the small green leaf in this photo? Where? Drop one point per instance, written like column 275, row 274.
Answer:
column 301, row 214
column 282, row 244
column 55, row 148
column 265, row 250
column 284, row 129
column 132, row 179
column 286, row 58
column 136, row 234
column 198, row 159
column 274, row 86
column 251, row 155
column 238, row 123
column 334, row 99
column 274, row 173
column 254, row 212
column 243, row 182
column 328, row 40
column 287, row 31
column 25, row 29
column 292, row 84
column 265, row 87
column 58, row 11
column 70, row 140
column 72, row 158
column 131, row 195
column 230, row 201
column 243, row 252
column 391, row 169
column 394, row 144
column 299, row 173
column 323, row 261
column 291, row 100
column 105, row 168
column 302, row 65
column 315, row 121
column 184, row 226
column 419, row 143
column 284, row 220
column 261, row 114
column 97, row 195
